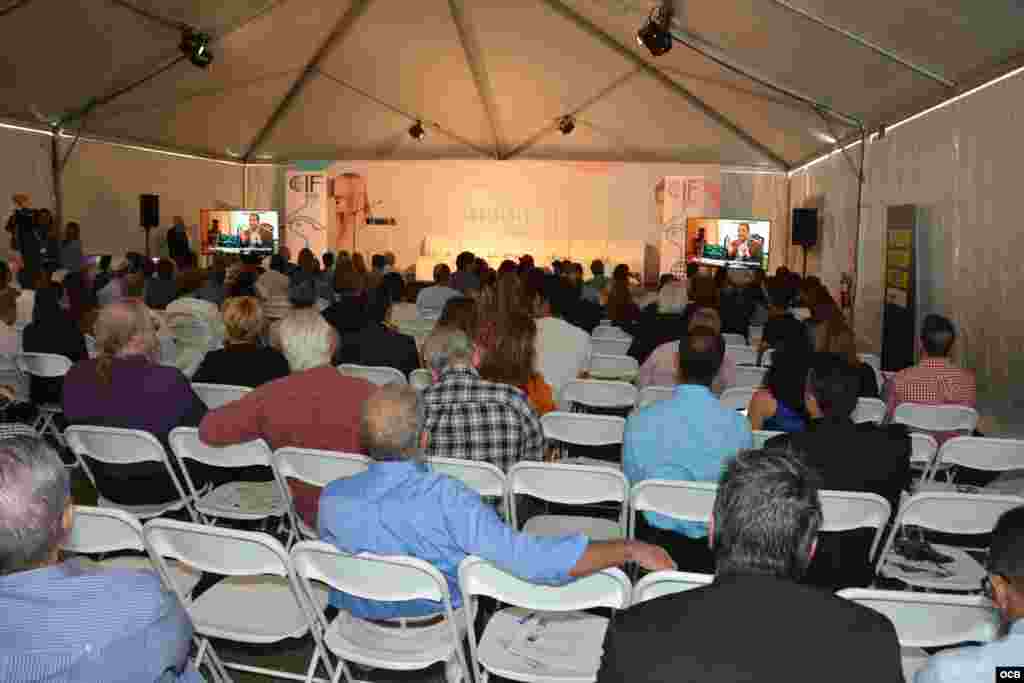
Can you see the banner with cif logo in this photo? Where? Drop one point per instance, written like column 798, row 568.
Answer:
column 678, row 198
column 307, row 219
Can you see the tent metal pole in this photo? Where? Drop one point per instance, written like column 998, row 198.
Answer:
column 864, row 42
column 856, row 235
column 55, row 168
column 694, row 101
column 477, row 66
column 341, row 29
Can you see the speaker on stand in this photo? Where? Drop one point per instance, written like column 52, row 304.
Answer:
column 805, row 230
column 149, row 214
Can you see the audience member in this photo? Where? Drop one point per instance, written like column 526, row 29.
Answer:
column 595, row 285
column 847, row 457
column 273, row 284
column 244, row 361
column 82, row 305
column 214, row 288
column 662, row 367
column 464, row 277
column 382, row 511
column 620, row 308
column 431, row 300
column 377, row 344
column 104, row 274
column 65, row 620
column 936, row 380
column 461, row 313
column 348, row 312
column 835, row 336
column 469, row 417
column 314, row 407
column 563, row 350
column 661, row 322
column 512, row 360
column 197, row 328
column 764, row 526
column 71, row 256
column 8, row 317
column 735, row 303
column 578, row 311
column 51, row 331
column 1003, row 586
column 508, row 300
column 125, row 387
column 781, row 325
column 687, row 437
column 162, row 289
column 779, row 406
column 111, row 292
column 325, row 279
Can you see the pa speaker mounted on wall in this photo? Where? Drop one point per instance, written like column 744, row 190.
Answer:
column 149, row 210
column 805, row 227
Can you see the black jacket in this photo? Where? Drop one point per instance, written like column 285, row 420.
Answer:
column 379, row 346
column 243, row 365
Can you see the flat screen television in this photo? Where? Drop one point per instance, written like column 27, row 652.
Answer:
column 730, row 242
column 248, row 231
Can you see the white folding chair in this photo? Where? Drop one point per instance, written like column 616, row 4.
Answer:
column 582, row 429
column 115, row 446
column 653, row 394
column 686, row 501
column 258, row 602
column 241, row 500
column 875, row 361
column 951, row 513
column 491, row 655
column 667, row 582
column 947, row 418
column 11, row 375
column 737, row 398
column 420, row 379
column 90, row 345
column 741, row 354
column 314, row 467
column 598, row 393
column 604, row 366
column 929, row 620
column 979, row 453
column 847, row 510
column 372, row 374
column 609, row 331
column 749, row 376
column 483, row 477
column 47, row 366
column 570, row 485
column 869, row 410
column 217, row 395
column 761, row 437
column 610, row 346
column 923, row 451
column 734, row 339
column 385, row 579
column 767, row 357
column 97, row 531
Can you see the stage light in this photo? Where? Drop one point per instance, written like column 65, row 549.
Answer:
column 566, row 124
column 196, row 46
column 417, row 132
column 654, row 34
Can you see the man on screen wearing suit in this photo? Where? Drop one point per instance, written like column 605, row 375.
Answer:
column 755, row 622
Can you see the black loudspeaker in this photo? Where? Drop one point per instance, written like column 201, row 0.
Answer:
column 149, row 210
column 805, row 227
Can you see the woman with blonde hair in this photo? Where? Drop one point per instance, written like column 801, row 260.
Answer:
column 244, row 361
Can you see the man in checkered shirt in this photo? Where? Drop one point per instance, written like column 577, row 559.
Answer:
column 935, row 380
column 471, row 418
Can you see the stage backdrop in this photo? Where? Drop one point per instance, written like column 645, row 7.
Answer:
column 428, row 211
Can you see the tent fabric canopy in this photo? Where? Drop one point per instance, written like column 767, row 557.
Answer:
column 344, row 79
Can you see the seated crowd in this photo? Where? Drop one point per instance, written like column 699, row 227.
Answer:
column 499, row 346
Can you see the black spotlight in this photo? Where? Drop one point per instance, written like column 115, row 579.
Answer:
column 654, row 34
column 417, row 132
column 196, row 46
column 566, row 124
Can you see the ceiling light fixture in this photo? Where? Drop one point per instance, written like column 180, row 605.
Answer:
column 654, row 34
column 567, row 124
column 417, row 132
column 196, row 46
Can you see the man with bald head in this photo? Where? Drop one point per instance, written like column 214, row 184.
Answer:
column 687, row 437
column 399, row 506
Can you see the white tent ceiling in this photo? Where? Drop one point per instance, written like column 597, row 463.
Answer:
column 334, row 79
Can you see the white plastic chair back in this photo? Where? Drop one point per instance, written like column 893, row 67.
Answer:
column 846, row 510
column 875, row 362
column 923, row 449
column 103, row 530
column 653, row 394
column 761, row 436
column 667, row 582
column 374, row 375
column 947, row 418
column 741, row 354
column 610, row 346
column 611, row 366
column 420, row 379
column 732, row 339
column 931, row 619
column 217, row 395
column 596, row 393
column 767, row 357
column 749, row 376
column 315, row 467
column 869, row 410
column 483, row 477
column 983, row 453
column 582, row 429
column 220, row 550
column 737, row 398
column 90, row 345
column 686, row 501
column 608, row 331
column 568, row 484
column 43, row 364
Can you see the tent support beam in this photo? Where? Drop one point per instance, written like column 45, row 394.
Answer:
column 864, row 42
column 56, row 168
column 13, row 6
column 694, row 101
column 152, row 16
column 475, row 61
column 337, row 34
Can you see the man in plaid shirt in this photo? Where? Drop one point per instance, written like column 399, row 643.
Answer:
column 468, row 417
column 935, row 380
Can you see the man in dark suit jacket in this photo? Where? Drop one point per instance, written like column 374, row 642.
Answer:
column 847, row 457
column 754, row 622
column 376, row 344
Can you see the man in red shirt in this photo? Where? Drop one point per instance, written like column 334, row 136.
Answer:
column 935, row 380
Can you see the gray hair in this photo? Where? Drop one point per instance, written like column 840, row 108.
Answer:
column 34, row 490
column 391, row 422
column 673, row 298
column 307, row 340
column 447, row 347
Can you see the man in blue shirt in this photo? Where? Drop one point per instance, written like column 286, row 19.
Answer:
column 398, row 506
column 1004, row 585
column 688, row 438
column 62, row 622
